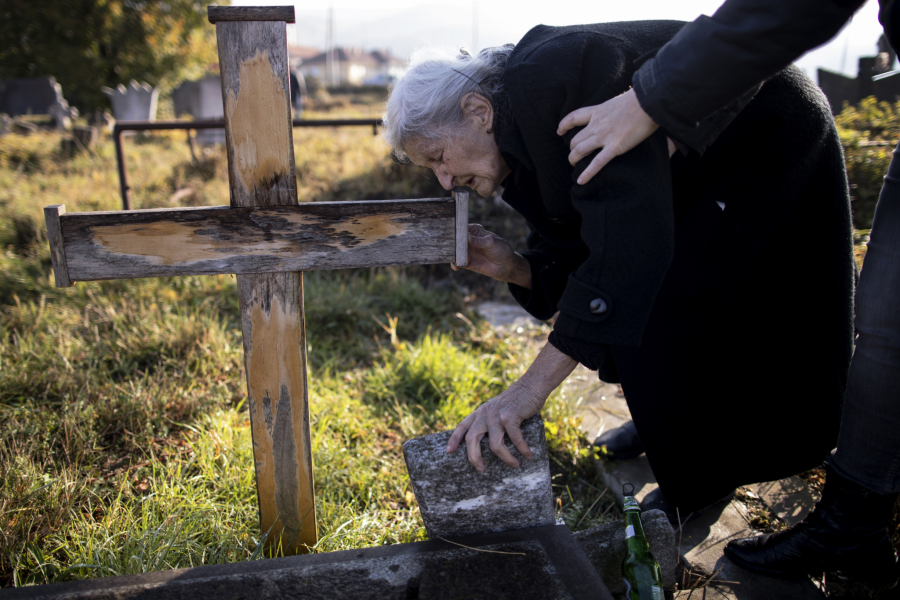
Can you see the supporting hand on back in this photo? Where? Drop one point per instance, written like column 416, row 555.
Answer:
column 491, row 255
column 617, row 126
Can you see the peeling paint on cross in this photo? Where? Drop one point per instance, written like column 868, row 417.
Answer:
column 268, row 240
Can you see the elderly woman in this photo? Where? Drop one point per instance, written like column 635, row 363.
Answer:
column 716, row 287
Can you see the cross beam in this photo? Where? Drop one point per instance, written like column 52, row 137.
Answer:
column 220, row 239
column 268, row 240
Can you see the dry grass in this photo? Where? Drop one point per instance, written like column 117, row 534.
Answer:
column 126, row 444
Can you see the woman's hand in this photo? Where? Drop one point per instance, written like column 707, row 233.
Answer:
column 617, row 126
column 505, row 413
column 499, row 415
column 491, row 255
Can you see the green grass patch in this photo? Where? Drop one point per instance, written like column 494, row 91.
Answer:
column 126, row 440
column 129, row 450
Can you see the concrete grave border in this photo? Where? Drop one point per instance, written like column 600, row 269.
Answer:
column 573, row 567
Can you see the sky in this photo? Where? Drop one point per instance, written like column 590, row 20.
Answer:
column 403, row 25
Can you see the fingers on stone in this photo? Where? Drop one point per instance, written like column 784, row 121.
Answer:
column 518, row 440
column 496, row 440
column 473, row 450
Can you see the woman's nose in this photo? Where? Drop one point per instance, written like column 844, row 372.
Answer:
column 445, row 179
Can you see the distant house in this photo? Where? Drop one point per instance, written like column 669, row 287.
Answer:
column 389, row 66
column 353, row 66
column 298, row 54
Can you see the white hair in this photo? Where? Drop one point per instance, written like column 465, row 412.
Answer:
column 425, row 102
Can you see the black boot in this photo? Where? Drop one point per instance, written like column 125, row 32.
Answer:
column 847, row 532
column 621, row 443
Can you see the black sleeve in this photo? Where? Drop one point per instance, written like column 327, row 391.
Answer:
column 550, row 268
column 625, row 211
column 715, row 60
column 590, row 355
column 605, row 290
column 628, row 226
column 889, row 17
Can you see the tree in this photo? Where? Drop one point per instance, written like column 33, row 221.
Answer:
column 88, row 44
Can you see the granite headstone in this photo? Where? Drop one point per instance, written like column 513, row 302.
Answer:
column 201, row 99
column 136, row 102
column 456, row 500
column 41, row 96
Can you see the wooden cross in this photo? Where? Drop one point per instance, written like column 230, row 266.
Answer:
column 268, row 240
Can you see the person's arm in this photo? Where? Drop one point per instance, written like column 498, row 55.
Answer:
column 706, row 66
column 716, row 59
column 889, row 17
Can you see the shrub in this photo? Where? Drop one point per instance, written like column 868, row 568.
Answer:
column 869, row 132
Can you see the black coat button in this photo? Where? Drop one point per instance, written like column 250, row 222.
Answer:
column 598, row 306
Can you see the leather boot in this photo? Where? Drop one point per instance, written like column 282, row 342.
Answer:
column 621, row 443
column 847, row 532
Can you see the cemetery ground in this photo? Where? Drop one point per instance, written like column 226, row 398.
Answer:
column 125, row 444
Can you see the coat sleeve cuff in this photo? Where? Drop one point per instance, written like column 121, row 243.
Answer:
column 592, row 315
column 546, row 278
column 652, row 93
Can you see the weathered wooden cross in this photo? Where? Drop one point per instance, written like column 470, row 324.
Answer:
column 268, row 240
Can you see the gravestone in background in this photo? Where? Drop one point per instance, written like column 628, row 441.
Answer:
column 137, row 102
column 41, row 96
column 201, row 99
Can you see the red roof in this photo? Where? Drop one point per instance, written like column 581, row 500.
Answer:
column 302, row 52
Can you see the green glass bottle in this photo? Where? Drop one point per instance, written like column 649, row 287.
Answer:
column 643, row 578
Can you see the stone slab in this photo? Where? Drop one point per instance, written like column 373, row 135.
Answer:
column 605, row 547
column 539, row 563
column 28, row 96
column 201, row 99
column 636, row 471
column 42, row 96
column 134, row 102
column 600, row 405
column 500, row 314
column 455, row 499
column 704, row 534
column 790, row 499
column 703, row 538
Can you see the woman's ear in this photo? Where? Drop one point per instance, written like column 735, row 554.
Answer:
column 479, row 108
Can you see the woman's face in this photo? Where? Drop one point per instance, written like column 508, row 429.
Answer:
column 468, row 155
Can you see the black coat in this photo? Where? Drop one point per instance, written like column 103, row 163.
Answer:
column 730, row 331
column 715, row 59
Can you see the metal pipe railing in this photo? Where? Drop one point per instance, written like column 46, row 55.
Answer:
column 122, row 126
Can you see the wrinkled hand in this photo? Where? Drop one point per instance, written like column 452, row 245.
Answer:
column 505, row 413
column 491, row 255
column 617, row 126
column 499, row 415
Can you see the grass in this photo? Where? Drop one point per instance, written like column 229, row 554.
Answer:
column 126, row 442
